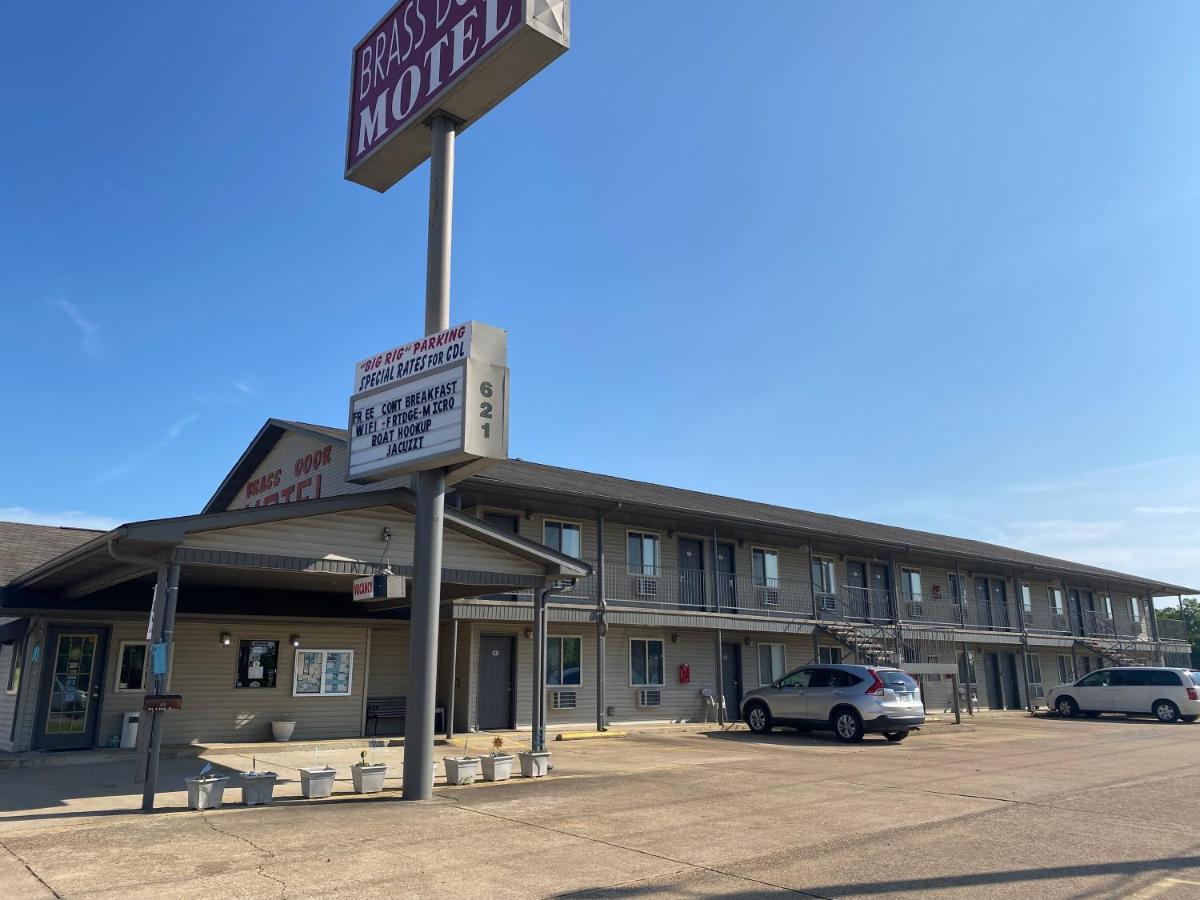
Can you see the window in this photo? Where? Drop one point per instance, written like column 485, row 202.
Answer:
column 830, row 656
column 1162, row 678
column 1134, row 678
column 770, row 663
column 642, row 553
column 646, row 662
column 1096, row 679
column 1056, row 600
column 956, row 596
column 131, row 668
column 323, row 673
column 766, row 567
column 1106, row 605
column 798, row 679
column 1026, row 599
column 1066, row 669
column 16, row 662
column 823, row 579
column 564, row 661
column 1135, row 611
column 565, row 537
column 911, row 581
column 1033, row 668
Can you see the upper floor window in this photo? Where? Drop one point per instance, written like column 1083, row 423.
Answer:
column 565, row 537
column 1026, row 598
column 955, row 588
column 1135, row 610
column 766, row 568
column 823, row 579
column 1056, row 600
column 1106, row 605
column 643, row 556
column 911, row 581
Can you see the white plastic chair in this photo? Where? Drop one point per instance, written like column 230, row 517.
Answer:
column 710, row 703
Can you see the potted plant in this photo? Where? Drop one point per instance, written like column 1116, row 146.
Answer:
column 282, row 731
column 461, row 769
column 316, row 780
column 206, row 789
column 497, row 765
column 257, row 787
column 534, row 763
column 367, row 776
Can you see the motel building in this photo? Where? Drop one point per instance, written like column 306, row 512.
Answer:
column 666, row 600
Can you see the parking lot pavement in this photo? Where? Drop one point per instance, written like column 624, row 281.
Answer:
column 1019, row 807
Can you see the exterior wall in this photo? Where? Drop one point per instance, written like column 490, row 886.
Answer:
column 114, row 704
column 290, row 464
column 387, row 674
column 8, row 702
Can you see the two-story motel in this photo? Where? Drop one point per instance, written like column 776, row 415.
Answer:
column 678, row 599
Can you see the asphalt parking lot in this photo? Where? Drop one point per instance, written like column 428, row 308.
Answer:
column 1019, row 807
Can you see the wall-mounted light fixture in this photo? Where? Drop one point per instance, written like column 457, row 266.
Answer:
column 528, row 631
column 295, row 639
column 746, row 640
column 741, row 543
column 226, row 638
column 674, row 637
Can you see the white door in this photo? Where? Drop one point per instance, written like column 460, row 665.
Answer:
column 1130, row 690
column 1094, row 692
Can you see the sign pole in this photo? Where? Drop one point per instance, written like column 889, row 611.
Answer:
column 430, row 487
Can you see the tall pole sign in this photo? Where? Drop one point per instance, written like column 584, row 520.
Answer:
column 426, row 71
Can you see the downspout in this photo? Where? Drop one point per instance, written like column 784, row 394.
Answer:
column 601, row 619
column 1024, row 667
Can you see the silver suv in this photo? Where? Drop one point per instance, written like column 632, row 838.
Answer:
column 849, row 700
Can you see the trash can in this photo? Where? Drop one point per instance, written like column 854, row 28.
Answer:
column 129, row 728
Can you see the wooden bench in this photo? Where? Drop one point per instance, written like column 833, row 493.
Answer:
column 396, row 708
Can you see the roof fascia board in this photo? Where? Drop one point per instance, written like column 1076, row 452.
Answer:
column 99, row 542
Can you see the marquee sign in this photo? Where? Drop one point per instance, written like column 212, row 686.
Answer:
column 436, row 402
column 459, row 56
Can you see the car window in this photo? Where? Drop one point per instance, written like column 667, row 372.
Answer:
column 821, row 678
column 1096, row 679
column 1195, row 676
column 842, row 679
column 1163, row 678
column 1130, row 678
column 797, row 679
column 897, row 680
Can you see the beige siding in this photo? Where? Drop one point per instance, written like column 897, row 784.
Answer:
column 213, row 710
column 8, row 702
column 291, row 463
column 116, row 704
column 389, row 663
column 355, row 535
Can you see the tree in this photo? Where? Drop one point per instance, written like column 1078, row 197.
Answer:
column 1191, row 614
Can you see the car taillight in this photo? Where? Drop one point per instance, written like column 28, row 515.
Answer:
column 876, row 685
column 1192, row 695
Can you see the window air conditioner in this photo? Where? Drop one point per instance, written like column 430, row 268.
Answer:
column 916, row 610
column 562, row 699
column 828, row 602
column 649, row 698
column 769, row 596
column 645, row 587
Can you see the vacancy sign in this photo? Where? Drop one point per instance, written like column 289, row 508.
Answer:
column 461, row 57
column 436, row 402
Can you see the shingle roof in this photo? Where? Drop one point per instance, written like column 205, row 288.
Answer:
column 23, row 546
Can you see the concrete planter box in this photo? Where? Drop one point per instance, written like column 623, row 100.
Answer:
column 496, row 768
column 282, row 731
column 316, row 782
column 461, row 769
column 534, row 765
column 368, row 779
column 206, row 791
column 257, row 787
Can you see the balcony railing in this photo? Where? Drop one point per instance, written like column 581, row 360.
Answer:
column 1171, row 629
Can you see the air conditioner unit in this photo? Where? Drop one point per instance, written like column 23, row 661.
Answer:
column 1028, row 617
column 649, row 698
column 1037, row 691
column 769, row 596
column 645, row 587
column 828, row 602
column 916, row 610
column 562, row 699
column 1060, row 620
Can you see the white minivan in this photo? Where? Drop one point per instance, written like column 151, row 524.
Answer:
column 1169, row 694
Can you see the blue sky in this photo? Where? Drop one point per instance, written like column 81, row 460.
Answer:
column 928, row 264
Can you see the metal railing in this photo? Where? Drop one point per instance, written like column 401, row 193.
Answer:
column 1171, row 629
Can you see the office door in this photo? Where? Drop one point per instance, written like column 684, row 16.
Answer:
column 71, row 684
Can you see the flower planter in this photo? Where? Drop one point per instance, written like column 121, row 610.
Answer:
column 461, row 769
column 496, row 768
column 257, row 787
column 282, row 731
column 316, row 782
column 534, row 765
column 206, row 791
column 368, row 779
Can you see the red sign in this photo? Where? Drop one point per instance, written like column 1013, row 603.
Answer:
column 303, row 481
column 162, row 702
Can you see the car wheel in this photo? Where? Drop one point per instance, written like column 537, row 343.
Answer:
column 847, row 725
column 758, row 717
column 1166, row 711
column 895, row 736
column 1067, row 707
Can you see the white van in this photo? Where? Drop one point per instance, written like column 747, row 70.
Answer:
column 1168, row 694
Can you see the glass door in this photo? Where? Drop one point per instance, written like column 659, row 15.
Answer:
column 71, row 681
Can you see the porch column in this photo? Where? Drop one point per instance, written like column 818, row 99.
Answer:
column 720, row 682
column 896, row 612
column 1024, row 639
column 449, row 723
column 601, row 625
column 1158, row 647
column 161, row 633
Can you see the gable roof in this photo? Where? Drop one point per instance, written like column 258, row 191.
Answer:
column 595, row 489
column 24, row 547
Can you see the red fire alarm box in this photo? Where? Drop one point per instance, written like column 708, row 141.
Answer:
column 685, row 673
